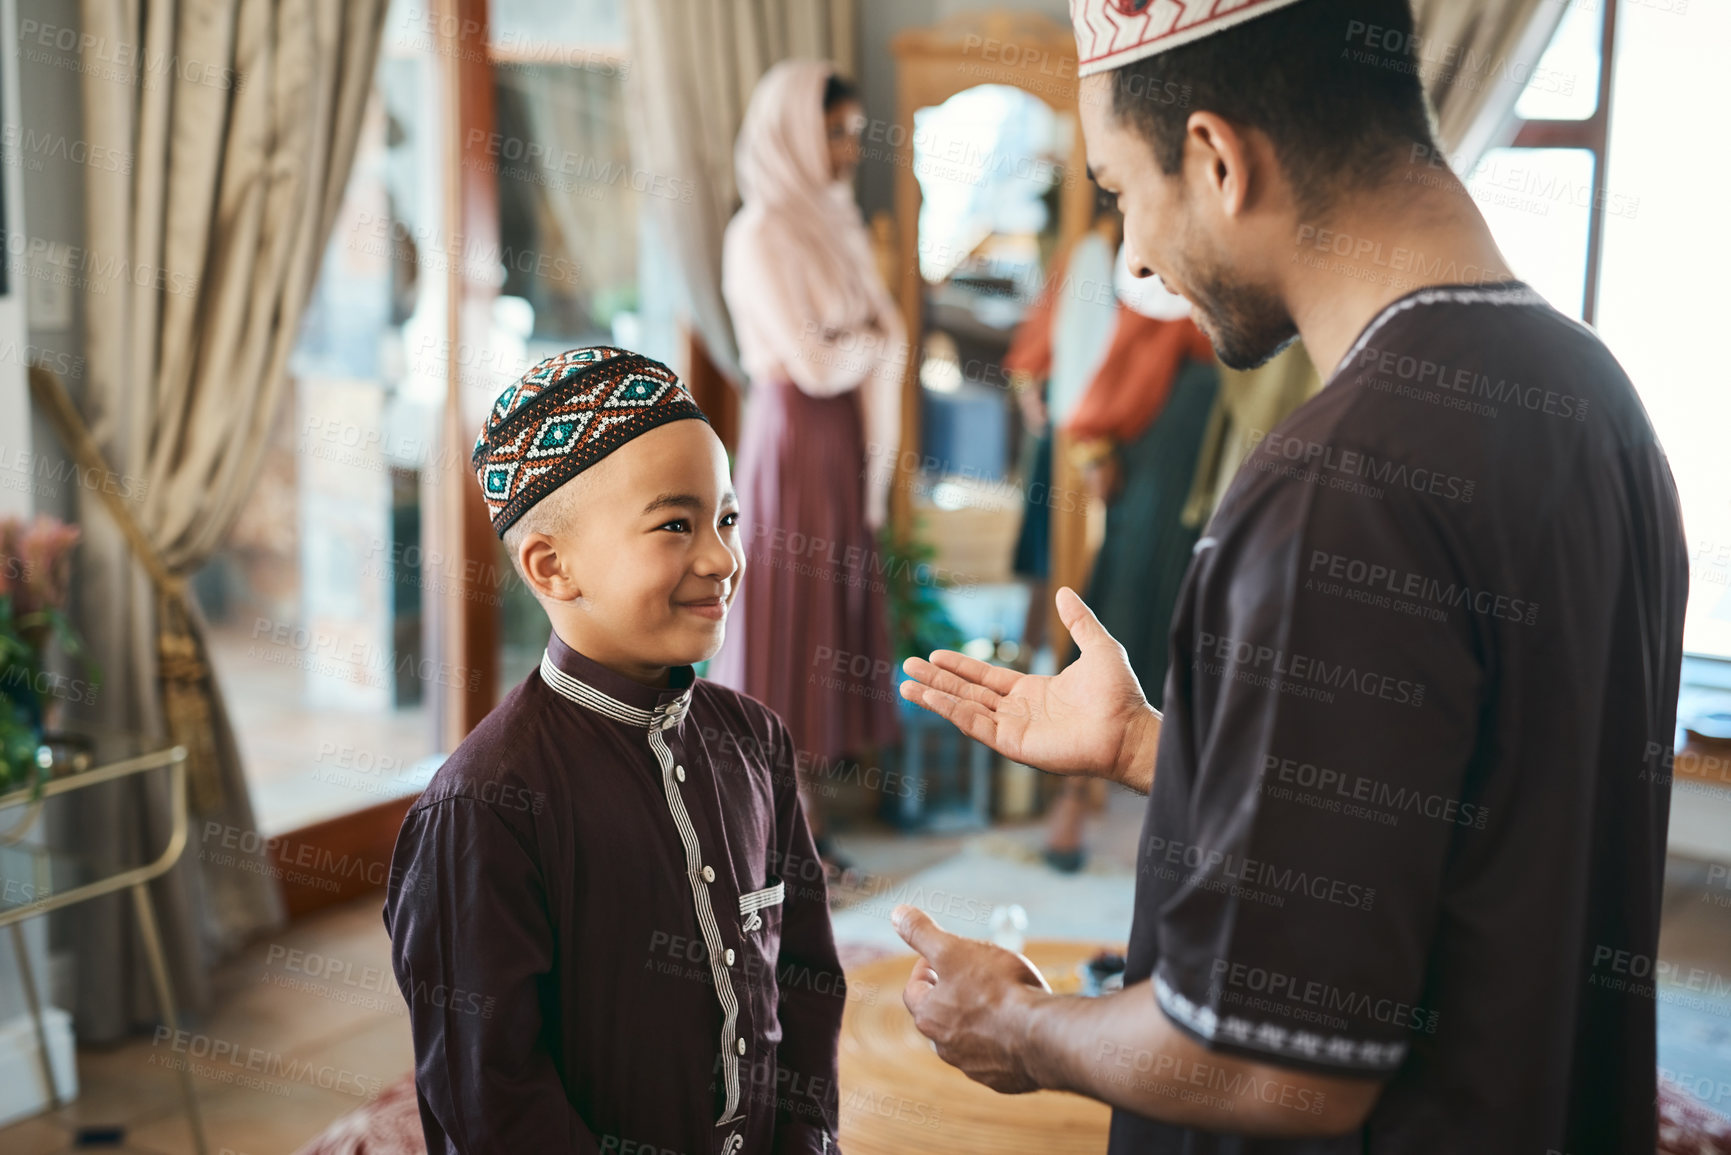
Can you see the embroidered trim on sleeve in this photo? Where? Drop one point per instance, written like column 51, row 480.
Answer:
column 1336, row 1050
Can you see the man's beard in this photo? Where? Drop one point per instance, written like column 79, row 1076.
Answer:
column 1246, row 323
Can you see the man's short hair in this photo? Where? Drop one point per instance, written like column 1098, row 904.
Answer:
column 1334, row 84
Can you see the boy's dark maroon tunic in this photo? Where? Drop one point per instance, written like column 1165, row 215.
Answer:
column 612, row 928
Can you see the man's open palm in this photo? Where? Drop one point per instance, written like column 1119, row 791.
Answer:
column 1091, row 718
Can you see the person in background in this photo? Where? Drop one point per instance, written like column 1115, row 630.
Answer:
column 1030, row 366
column 1138, row 434
column 825, row 349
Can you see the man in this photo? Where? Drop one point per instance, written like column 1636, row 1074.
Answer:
column 1403, row 819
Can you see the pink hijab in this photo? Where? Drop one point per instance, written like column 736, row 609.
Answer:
column 798, row 272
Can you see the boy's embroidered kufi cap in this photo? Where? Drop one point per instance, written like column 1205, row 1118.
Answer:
column 563, row 416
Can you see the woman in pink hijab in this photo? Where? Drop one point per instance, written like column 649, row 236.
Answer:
column 825, row 348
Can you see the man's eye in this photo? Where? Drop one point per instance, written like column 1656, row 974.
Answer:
column 729, row 519
column 677, row 525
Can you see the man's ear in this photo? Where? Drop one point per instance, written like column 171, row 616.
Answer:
column 1220, row 161
column 544, row 570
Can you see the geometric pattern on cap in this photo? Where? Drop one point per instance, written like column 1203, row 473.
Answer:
column 564, row 415
column 1112, row 33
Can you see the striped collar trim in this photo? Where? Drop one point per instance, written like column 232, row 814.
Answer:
column 1499, row 293
column 665, row 716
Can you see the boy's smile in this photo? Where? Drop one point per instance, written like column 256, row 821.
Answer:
column 715, row 609
column 640, row 576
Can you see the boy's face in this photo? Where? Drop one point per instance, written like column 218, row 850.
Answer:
column 644, row 573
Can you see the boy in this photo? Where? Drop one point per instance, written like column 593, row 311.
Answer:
column 605, row 911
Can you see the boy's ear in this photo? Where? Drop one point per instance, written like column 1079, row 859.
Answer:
column 545, row 570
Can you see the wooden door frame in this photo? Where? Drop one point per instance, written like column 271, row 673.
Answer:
column 464, row 612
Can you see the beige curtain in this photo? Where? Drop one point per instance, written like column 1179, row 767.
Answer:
column 240, row 118
column 576, row 114
column 1476, row 56
column 694, row 64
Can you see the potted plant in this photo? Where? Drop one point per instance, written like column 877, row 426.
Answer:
column 918, row 621
column 35, row 580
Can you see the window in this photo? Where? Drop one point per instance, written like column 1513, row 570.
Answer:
column 1565, row 84
column 568, row 215
column 1664, row 301
column 319, row 602
column 1536, row 201
column 315, row 599
column 1614, row 218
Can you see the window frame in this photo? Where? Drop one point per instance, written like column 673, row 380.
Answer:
column 1703, row 675
column 1591, row 135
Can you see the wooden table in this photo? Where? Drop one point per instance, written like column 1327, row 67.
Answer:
column 899, row 1098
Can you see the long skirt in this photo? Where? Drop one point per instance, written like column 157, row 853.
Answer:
column 1033, row 556
column 1141, row 564
column 808, row 635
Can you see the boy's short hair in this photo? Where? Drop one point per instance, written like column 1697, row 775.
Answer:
column 1337, row 103
column 553, row 514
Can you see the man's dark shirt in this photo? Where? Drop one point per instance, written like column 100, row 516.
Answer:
column 1408, row 821
column 612, row 929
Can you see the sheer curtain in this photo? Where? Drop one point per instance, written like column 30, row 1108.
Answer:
column 694, row 64
column 1475, row 57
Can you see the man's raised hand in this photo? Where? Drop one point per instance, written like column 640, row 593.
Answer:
column 1090, row 718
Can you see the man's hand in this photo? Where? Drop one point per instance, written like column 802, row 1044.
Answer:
column 1090, row 718
column 989, row 1014
column 971, row 999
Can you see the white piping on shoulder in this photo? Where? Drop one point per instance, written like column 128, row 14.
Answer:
column 1460, row 296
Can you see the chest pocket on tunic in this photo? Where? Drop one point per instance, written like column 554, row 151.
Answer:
column 760, row 911
column 760, row 929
